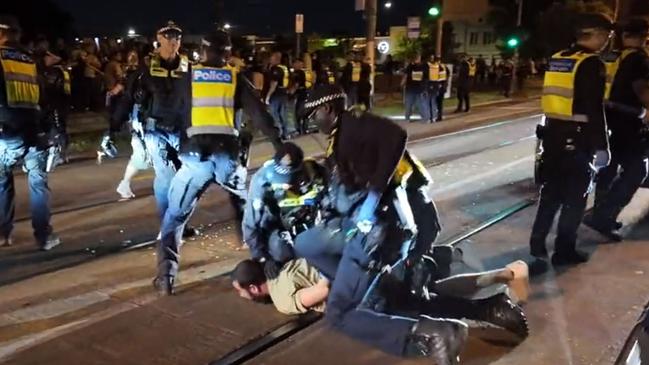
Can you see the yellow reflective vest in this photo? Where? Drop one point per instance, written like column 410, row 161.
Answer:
column 309, row 78
column 436, row 71
column 473, row 68
column 213, row 93
column 286, row 78
column 559, row 86
column 156, row 70
column 67, row 85
column 613, row 62
column 21, row 82
column 356, row 71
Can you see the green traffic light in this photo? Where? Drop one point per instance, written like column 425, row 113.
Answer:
column 512, row 42
column 434, row 11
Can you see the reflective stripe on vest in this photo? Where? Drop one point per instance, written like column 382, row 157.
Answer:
column 67, row 85
column 559, row 87
column 20, row 78
column 156, row 70
column 356, row 72
column 405, row 168
column 613, row 62
column 213, row 91
column 417, row 75
column 285, row 79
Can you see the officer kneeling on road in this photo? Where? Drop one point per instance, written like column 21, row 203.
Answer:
column 212, row 152
column 627, row 119
column 283, row 201
column 574, row 139
column 22, row 137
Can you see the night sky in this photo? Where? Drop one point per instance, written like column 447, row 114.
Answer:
column 248, row 16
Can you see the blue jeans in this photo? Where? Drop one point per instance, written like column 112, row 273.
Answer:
column 321, row 247
column 163, row 150
column 187, row 186
column 12, row 151
column 279, row 109
column 417, row 98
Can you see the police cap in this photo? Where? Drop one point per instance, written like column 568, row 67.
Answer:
column 170, row 30
column 637, row 26
column 321, row 95
column 590, row 22
column 218, row 40
column 8, row 22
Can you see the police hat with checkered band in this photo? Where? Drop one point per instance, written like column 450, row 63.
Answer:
column 322, row 95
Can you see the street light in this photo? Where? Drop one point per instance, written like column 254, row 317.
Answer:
column 513, row 42
column 227, row 26
column 434, row 11
column 388, row 5
column 131, row 32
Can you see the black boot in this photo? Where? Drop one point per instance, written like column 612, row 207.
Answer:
column 571, row 257
column 500, row 311
column 164, row 285
column 440, row 339
column 607, row 229
column 189, row 232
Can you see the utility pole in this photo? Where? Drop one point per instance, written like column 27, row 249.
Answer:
column 370, row 48
column 440, row 31
column 519, row 23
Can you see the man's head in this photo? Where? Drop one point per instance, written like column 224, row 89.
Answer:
column 594, row 30
column 298, row 64
column 216, row 48
column 169, row 38
column 324, row 106
column 288, row 168
column 634, row 33
column 9, row 29
column 416, row 58
column 275, row 58
column 249, row 280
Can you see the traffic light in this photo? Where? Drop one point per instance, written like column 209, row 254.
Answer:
column 434, row 11
column 513, row 42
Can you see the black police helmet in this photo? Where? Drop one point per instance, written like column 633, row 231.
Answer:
column 321, row 95
column 588, row 22
column 9, row 22
column 637, row 26
column 217, row 41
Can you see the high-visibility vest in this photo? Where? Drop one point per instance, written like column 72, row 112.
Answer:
column 213, row 91
column 613, row 61
column 156, row 70
column 559, row 87
column 417, row 75
column 21, row 82
column 67, row 85
column 406, row 167
column 433, row 71
column 473, row 68
column 331, row 77
column 442, row 72
column 286, row 77
column 356, row 71
column 309, row 78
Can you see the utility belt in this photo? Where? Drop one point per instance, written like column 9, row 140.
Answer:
column 153, row 124
column 568, row 139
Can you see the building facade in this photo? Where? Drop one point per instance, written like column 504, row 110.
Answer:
column 472, row 34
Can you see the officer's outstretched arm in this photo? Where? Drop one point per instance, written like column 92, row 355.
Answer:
column 253, row 216
column 247, row 98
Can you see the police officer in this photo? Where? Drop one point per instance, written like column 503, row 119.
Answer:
column 212, row 152
column 355, row 80
column 628, row 71
column 438, row 83
column 283, row 201
column 573, row 138
column 302, row 82
column 55, row 101
column 22, row 137
column 277, row 97
column 414, row 82
column 162, row 91
column 464, row 80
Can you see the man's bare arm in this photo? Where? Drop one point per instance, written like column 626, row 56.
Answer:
column 315, row 295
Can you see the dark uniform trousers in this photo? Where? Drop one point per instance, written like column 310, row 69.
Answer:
column 613, row 191
column 567, row 177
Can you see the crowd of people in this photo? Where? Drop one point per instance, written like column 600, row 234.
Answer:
column 354, row 236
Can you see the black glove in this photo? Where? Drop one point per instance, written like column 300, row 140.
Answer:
column 272, row 269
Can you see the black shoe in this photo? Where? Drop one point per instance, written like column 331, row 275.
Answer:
column 440, row 339
column 189, row 232
column 538, row 266
column 608, row 230
column 570, row 258
column 539, row 251
column 439, row 119
column 164, row 285
column 500, row 311
column 457, row 111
